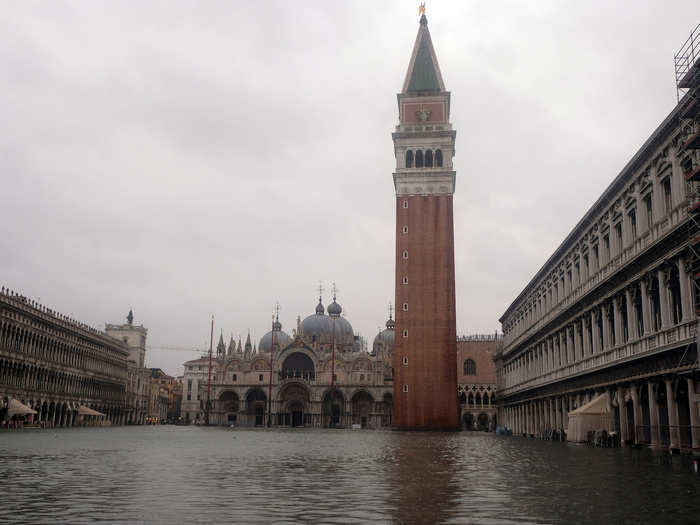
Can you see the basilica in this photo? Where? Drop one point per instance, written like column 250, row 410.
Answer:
column 320, row 376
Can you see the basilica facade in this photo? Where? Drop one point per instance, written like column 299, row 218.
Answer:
column 320, row 376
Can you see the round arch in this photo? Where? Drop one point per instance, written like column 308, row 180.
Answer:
column 333, row 408
column 298, row 365
column 229, row 404
column 256, row 403
column 362, row 407
column 295, row 405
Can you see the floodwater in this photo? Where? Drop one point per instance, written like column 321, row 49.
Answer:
column 174, row 474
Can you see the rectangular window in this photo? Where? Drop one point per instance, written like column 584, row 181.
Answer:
column 618, row 237
column 405, row 360
column 234, row 378
column 596, row 257
column 405, row 307
column 585, row 265
column 649, row 209
column 632, row 216
column 189, row 385
column 667, row 195
column 405, row 333
column 405, row 387
column 606, row 248
column 260, row 377
column 405, row 280
column 405, row 229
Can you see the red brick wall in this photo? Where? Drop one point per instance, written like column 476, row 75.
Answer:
column 482, row 353
column 431, row 348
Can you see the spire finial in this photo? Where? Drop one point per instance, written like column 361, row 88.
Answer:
column 320, row 291
column 421, row 8
column 277, row 311
column 391, row 309
column 335, row 290
column 130, row 317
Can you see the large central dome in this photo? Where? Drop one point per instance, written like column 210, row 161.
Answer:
column 318, row 327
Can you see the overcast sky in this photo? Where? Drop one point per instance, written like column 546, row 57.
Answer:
column 193, row 158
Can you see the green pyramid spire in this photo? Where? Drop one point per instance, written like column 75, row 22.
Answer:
column 424, row 73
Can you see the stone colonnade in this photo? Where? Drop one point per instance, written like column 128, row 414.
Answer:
column 656, row 302
column 660, row 412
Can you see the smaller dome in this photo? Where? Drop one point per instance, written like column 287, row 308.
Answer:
column 385, row 338
column 281, row 341
column 277, row 325
column 334, row 309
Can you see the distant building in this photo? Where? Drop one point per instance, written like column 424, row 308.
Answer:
column 304, row 390
column 476, row 377
column 611, row 317
column 57, row 366
column 138, row 377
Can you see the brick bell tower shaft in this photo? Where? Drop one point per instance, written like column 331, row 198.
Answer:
column 425, row 353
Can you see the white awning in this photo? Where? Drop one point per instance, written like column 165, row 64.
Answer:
column 85, row 411
column 14, row 407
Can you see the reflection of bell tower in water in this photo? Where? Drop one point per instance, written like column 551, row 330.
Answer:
column 425, row 354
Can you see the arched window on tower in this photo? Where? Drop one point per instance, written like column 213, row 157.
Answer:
column 419, row 159
column 469, row 367
column 438, row 158
column 428, row 159
column 409, row 159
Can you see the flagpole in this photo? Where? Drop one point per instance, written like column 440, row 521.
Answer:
column 211, row 346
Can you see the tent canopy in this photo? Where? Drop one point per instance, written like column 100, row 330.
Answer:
column 599, row 405
column 593, row 416
column 85, row 411
column 14, row 407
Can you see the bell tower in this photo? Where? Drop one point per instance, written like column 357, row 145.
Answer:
column 425, row 351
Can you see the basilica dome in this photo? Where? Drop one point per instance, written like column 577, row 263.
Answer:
column 281, row 339
column 385, row 337
column 318, row 328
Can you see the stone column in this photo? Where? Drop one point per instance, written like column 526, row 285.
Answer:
column 672, row 414
column 631, row 321
column 663, row 299
column 637, row 412
column 686, row 288
column 646, row 309
column 595, row 316
column 607, row 336
column 623, row 415
column 617, row 313
column 653, row 415
column 559, row 343
column 694, row 417
column 576, row 353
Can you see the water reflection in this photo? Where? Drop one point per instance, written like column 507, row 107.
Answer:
column 423, row 478
column 199, row 475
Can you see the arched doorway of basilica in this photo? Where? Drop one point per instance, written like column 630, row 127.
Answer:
column 295, row 405
column 255, row 406
column 361, row 408
column 229, row 406
column 482, row 421
column 333, row 408
column 388, row 409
